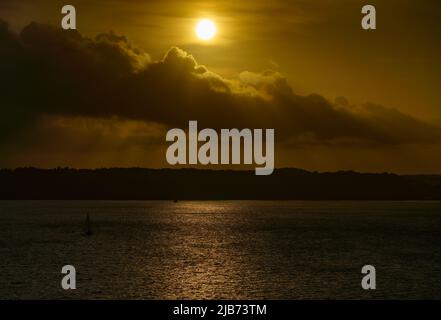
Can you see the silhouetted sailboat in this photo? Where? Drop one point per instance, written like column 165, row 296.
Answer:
column 88, row 232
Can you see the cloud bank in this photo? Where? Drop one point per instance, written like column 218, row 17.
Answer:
column 50, row 75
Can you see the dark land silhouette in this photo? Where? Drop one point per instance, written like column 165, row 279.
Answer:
column 194, row 184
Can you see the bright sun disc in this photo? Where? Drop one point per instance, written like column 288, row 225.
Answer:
column 205, row 29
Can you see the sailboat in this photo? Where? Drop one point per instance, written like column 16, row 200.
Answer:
column 88, row 232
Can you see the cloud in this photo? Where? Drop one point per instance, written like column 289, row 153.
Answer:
column 48, row 72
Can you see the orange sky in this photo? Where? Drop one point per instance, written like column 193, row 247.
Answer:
column 318, row 47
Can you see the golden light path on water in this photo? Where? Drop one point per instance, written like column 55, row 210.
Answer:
column 218, row 249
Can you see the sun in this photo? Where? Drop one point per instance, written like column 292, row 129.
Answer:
column 206, row 29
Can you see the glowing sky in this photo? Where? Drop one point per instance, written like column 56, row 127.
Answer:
column 317, row 45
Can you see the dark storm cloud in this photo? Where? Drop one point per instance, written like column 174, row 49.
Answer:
column 50, row 72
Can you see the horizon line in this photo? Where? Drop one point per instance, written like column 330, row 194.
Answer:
column 213, row 169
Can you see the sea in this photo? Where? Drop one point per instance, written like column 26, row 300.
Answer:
column 220, row 249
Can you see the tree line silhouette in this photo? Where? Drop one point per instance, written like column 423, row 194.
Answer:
column 194, row 184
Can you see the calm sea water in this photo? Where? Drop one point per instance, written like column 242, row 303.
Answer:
column 220, row 250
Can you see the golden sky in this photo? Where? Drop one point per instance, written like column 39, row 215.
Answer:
column 388, row 79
